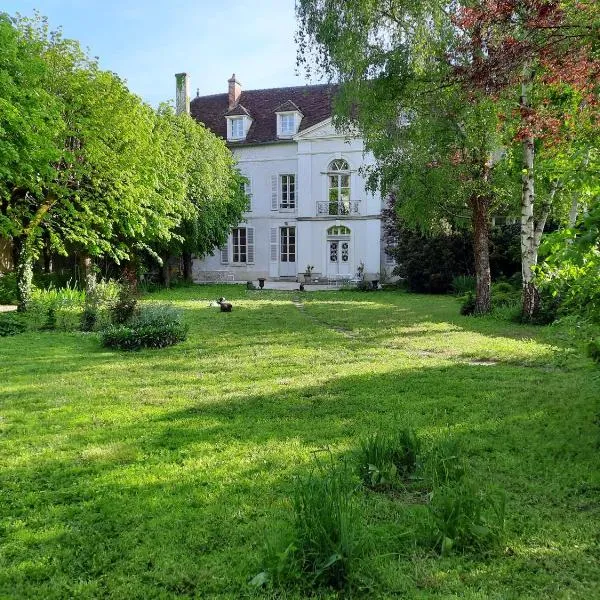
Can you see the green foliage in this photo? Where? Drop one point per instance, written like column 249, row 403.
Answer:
column 12, row 323
column 463, row 284
column 430, row 263
column 125, row 305
column 467, row 306
column 8, row 288
column 100, row 299
column 59, row 309
column 593, row 350
column 385, row 459
column 155, row 326
column 504, row 294
column 568, row 278
column 156, row 182
column 465, row 517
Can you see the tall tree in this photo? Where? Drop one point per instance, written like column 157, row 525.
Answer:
column 533, row 49
column 93, row 179
column 86, row 162
column 434, row 139
column 214, row 190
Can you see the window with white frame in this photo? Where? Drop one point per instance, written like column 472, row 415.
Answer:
column 288, row 191
column 239, row 243
column 287, row 124
column 338, row 175
column 237, row 128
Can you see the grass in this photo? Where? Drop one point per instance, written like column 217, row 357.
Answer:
column 160, row 473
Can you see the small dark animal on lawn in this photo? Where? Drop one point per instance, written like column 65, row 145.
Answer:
column 225, row 306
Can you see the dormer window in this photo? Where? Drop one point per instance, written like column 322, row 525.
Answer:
column 287, row 124
column 288, row 119
column 237, row 128
column 238, row 123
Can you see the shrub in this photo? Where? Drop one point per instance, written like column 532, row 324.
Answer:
column 154, row 327
column 8, row 288
column 593, row 350
column 125, row 305
column 385, row 458
column 99, row 301
column 568, row 276
column 464, row 517
column 12, row 323
column 467, row 304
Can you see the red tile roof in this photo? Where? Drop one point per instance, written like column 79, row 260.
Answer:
column 313, row 101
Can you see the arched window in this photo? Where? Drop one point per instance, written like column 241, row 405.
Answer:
column 339, row 181
column 338, row 230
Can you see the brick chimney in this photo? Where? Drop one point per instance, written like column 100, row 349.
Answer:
column 235, row 89
column 182, row 93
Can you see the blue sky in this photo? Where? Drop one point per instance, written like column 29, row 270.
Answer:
column 147, row 41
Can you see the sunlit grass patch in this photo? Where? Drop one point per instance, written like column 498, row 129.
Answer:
column 158, row 474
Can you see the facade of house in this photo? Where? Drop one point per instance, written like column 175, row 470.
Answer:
column 308, row 201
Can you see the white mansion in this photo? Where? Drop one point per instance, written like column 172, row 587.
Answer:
column 309, row 205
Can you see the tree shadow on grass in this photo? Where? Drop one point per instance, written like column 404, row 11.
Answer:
column 186, row 513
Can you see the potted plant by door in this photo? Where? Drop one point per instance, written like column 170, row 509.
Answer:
column 308, row 273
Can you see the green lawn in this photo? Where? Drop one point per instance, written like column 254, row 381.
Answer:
column 158, row 474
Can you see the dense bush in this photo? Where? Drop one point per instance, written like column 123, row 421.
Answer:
column 505, row 250
column 570, row 286
column 505, row 298
column 593, row 350
column 12, row 323
column 568, row 274
column 434, row 263
column 463, row 284
column 100, row 300
column 125, row 306
column 8, row 288
column 430, row 263
column 155, row 326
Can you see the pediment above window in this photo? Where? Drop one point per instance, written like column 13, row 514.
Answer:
column 288, row 117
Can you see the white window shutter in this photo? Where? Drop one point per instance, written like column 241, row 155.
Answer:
column 274, row 192
column 296, row 190
column 250, row 245
column 225, row 253
column 274, row 244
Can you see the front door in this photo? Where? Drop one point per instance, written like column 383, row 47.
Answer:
column 338, row 257
column 287, row 252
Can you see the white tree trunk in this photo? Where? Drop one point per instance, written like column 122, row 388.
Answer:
column 528, row 247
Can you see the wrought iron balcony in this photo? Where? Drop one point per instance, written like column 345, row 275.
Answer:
column 342, row 208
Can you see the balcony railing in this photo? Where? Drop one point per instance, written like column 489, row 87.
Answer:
column 342, row 208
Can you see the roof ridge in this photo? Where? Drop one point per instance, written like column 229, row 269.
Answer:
column 290, row 87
